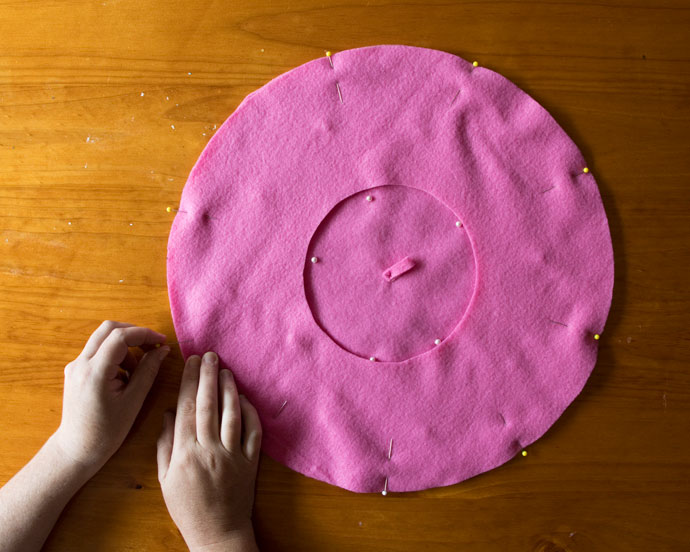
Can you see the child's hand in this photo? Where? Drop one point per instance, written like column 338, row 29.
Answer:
column 207, row 462
column 104, row 390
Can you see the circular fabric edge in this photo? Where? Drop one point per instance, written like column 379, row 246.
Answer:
column 293, row 457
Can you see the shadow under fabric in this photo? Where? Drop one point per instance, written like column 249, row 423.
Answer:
column 403, row 259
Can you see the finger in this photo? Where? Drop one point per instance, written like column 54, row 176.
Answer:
column 144, row 375
column 252, row 430
column 231, row 421
column 207, row 401
column 185, row 418
column 164, row 445
column 99, row 335
column 114, row 348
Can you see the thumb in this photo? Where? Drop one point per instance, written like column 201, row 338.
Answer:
column 145, row 373
column 164, row 445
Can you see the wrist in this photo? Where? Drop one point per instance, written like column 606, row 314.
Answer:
column 66, row 460
column 239, row 540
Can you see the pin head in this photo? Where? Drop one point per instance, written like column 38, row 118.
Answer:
column 169, row 209
column 329, row 53
column 597, row 337
column 524, row 453
column 458, row 224
column 370, row 198
column 475, row 64
column 314, row 260
column 373, row 359
column 384, row 493
column 437, row 341
column 585, row 170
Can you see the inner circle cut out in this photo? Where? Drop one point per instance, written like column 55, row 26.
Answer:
column 394, row 275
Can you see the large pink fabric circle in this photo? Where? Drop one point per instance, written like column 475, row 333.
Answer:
column 515, row 294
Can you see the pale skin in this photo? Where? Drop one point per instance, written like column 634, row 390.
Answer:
column 208, row 451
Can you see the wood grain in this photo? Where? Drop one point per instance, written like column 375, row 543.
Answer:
column 89, row 94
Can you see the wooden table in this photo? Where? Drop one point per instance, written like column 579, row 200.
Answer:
column 104, row 107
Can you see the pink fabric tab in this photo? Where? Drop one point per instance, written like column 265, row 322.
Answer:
column 398, row 269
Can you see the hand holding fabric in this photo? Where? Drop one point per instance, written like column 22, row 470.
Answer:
column 208, row 455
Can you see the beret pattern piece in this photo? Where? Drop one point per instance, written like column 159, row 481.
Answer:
column 403, row 260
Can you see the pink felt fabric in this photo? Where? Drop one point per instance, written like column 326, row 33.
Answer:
column 358, row 241
column 513, row 294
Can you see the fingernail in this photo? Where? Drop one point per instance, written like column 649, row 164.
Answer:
column 211, row 358
column 164, row 350
column 242, row 397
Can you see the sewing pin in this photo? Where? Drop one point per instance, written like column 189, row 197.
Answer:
column 280, row 409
